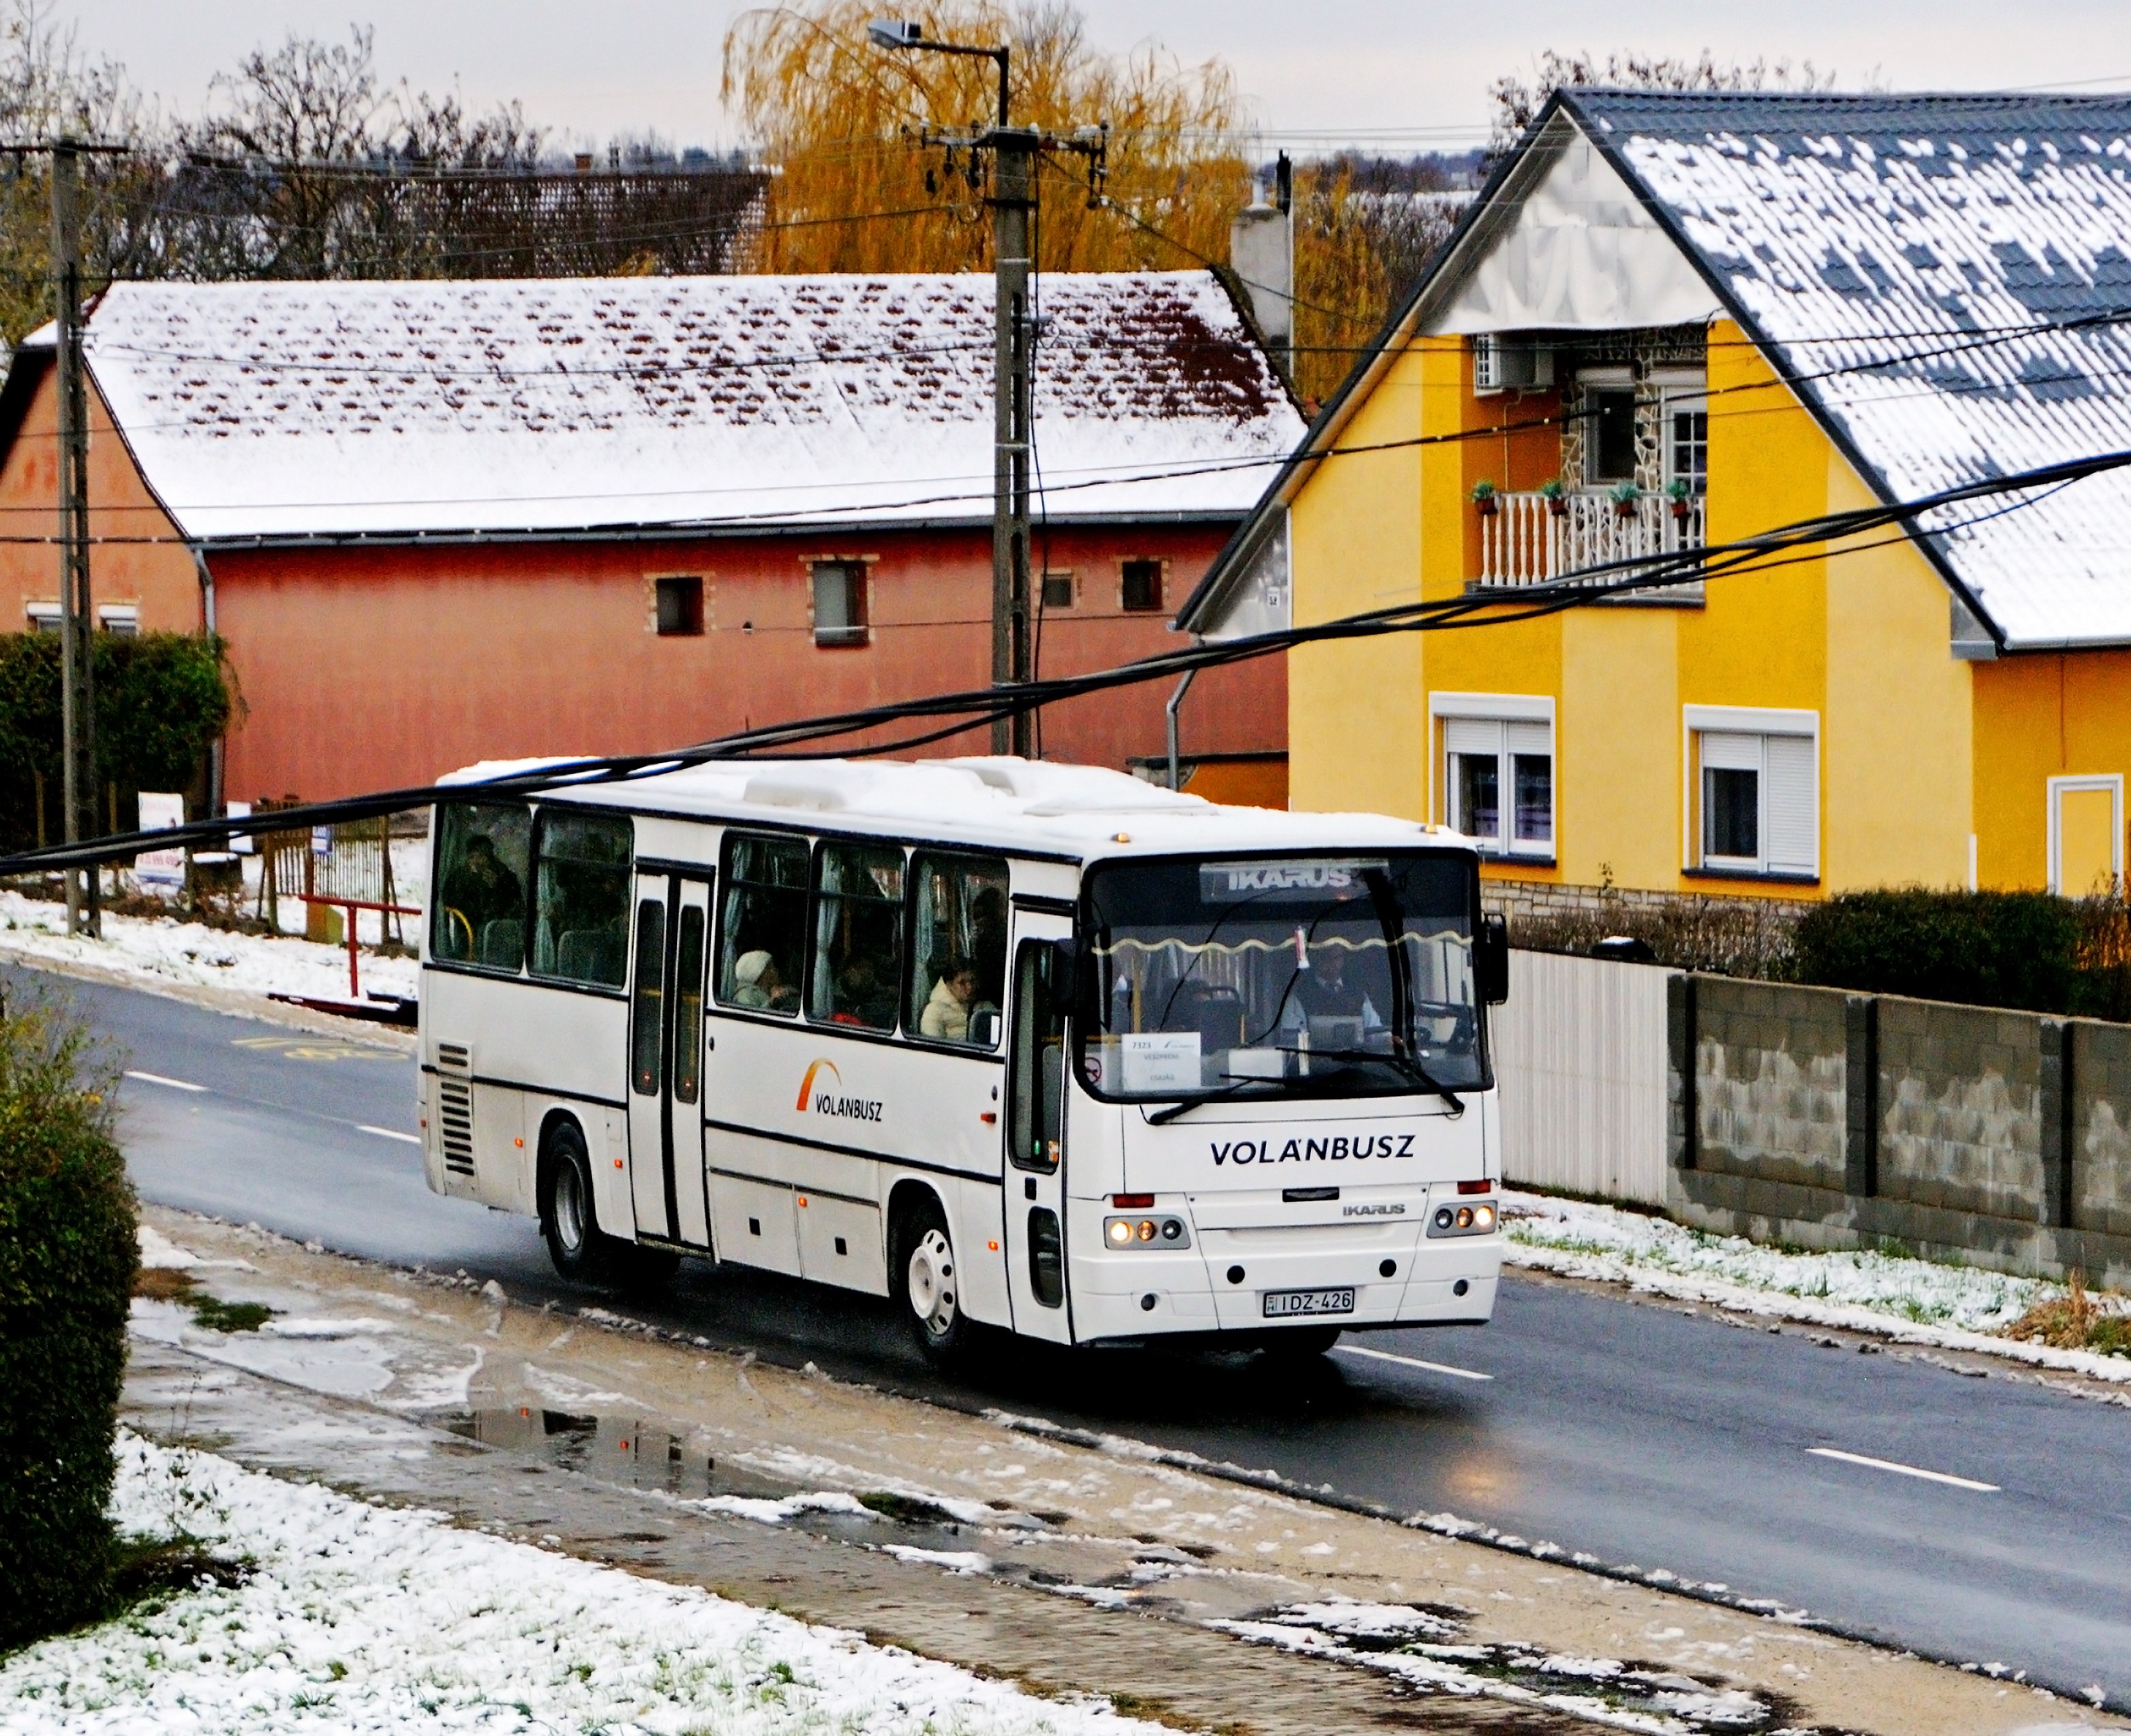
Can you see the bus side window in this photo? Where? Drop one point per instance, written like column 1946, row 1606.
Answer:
column 857, row 967
column 958, row 947
column 581, row 897
column 1035, row 1111
column 764, row 930
column 478, row 915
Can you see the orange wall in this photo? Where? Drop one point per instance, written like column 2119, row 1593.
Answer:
column 2039, row 716
column 363, row 669
column 156, row 575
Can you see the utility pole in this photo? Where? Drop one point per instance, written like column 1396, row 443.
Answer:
column 78, row 701
column 1017, row 152
column 1013, row 202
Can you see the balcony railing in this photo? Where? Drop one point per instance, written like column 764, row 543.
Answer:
column 1530, row 538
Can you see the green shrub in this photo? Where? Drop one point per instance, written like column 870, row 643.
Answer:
column 2007, row 949
column 162, row 699
column 68, row 1258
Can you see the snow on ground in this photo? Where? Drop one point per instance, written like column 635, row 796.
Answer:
column 167, row 949
column 357, row 1618
column 1916, row 1302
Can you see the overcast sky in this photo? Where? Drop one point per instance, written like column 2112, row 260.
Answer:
column 1348, row 69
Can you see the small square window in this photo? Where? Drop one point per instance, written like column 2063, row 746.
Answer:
column 1143, row 586
column 839, row 602
column 679, row 606
column 1057, row 590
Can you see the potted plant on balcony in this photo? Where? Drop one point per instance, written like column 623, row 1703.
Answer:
column 1680, row 498
column 1483, row 498
column 1624, row 495
column 1555, row 496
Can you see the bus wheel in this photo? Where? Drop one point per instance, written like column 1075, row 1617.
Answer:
column 930, row 1287
column 568, row 1217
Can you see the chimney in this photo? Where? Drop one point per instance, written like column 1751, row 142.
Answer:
column 584, row 162
column 1262, row 253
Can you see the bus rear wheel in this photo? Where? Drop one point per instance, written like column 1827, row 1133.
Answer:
column 926, row 1273
column 569, row 1219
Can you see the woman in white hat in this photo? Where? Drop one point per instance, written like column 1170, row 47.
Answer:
column 756, row 983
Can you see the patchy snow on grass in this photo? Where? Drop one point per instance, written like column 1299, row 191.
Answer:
column 164, row 948
column 362, row 1618
column 1915, row 1301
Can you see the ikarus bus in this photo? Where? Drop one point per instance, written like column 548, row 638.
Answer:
column 1033, row 1048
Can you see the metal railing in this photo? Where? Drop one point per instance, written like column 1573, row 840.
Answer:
column 1530, row 538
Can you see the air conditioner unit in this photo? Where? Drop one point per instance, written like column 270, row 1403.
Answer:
column 1501, row 364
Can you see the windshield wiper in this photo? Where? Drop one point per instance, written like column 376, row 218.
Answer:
column 1403, row 1064
column 1237, row 1081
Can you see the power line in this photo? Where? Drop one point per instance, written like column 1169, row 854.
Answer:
column 975, row 709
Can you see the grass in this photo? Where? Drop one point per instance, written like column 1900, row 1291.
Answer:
column 164, row 1284
column 2076, row 1321
column 905, row 1509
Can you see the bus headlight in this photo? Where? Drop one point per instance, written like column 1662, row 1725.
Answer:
column 1157, row 1231
column 1477, row 1220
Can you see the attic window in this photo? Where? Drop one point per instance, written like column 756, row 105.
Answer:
column 680, row 607
column 1141, row 590
column 840, row 615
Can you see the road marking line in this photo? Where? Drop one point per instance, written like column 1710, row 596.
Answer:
column 388, row 1133
column 1988, row 1488
column 1385, row 1355
column 157, row 1079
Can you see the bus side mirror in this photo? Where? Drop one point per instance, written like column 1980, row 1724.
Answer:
column 1491, row 960
column 983, row 1027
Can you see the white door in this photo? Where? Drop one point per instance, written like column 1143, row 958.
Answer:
column 1035, row 1122
column 671, row 933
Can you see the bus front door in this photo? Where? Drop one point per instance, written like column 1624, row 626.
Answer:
column 1035, row 1131
column 665, row 1058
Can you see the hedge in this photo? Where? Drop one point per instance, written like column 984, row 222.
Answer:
column 2027, row 950
column 161, row 699
column 68, row 1259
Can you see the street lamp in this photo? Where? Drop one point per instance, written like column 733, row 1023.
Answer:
column 1013, row 199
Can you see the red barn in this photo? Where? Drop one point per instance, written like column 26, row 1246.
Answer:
column 440, row 522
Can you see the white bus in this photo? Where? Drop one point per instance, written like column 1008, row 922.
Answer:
column 1031, row 1047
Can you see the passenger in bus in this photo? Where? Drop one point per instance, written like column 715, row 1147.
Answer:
column 482, row 888
column 988, row 944
column 758, row 983
column 861, row 997
column 954, row 998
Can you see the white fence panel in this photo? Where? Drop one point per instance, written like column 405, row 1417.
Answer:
column 1580, row 1058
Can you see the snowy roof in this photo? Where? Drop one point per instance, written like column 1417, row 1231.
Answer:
column 263, row 410
column 1913, row 263
column 1945, row 279
column 1083, row 812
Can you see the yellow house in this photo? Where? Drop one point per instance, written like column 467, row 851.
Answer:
column 1675, row 320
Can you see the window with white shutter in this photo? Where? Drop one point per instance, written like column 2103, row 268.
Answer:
column 1498, row 774
column 1755, row 791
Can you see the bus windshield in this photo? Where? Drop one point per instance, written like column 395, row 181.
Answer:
column 1328, row 975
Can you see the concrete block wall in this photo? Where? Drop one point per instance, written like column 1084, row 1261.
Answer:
column 2099, row 1182
column 1960, row 1108
column 1839, row 1121
column 1770, row 1072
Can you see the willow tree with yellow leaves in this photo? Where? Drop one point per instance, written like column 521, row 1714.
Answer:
column 857, row 187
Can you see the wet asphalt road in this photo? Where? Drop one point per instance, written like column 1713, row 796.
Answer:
column 1635, row 1433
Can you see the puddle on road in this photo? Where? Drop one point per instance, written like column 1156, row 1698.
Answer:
column 634, row 1453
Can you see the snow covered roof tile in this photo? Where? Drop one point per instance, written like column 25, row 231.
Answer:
column 1947, row 278
column 264, row 410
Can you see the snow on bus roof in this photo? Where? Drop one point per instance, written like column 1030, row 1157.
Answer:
column 1040, row 805
column 337, row 408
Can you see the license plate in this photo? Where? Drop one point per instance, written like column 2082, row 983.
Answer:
column 1281, row 1305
